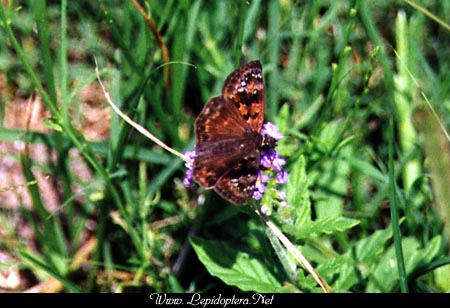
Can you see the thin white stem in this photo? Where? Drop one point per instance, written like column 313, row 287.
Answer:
column 295, row 252
column 138, row 127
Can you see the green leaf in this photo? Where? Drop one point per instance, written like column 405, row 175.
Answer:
column 359, row 261
column 234, row 267
column 35, row 261
column 368, row 249
column 282, row 119
column 442, row 276
column 331, row 266
column 333, row 176
column 431, row 251
column 385, row 275
column 365, row 167
column 297, row 194
column 329, row 136
column 53, row 123
column 326, row 226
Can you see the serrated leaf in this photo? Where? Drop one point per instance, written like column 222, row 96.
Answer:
column 323, row 226
column 326, row 226
column 369, row 249
column 327, row 269
column 365, row 167
column 359, row 261
column 385, row 275
column 442, row 276
column 282, row 118
column 334, row 176
column 329, row 134
column 297, row 193
column 348, row 275
column 234, row 267
column 431, row 251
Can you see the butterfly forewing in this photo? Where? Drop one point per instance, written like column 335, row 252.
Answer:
column 245, row 89
column 228, row 136
column 219, row 121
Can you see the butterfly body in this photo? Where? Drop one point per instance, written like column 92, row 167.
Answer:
column 228, row 136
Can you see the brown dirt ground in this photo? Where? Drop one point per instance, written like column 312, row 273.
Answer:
column 28, row 114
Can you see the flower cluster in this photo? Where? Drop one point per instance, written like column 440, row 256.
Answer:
column 270, row 162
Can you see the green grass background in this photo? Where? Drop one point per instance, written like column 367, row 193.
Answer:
column 360, row 89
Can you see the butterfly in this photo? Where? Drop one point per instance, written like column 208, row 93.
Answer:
column 228, row 136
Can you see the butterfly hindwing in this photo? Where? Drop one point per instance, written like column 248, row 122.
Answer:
column 238, row 184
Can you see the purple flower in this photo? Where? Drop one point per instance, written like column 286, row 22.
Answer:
column 260, row 188
column 191, row 155
column 278, row 164
column 271, row 160
column 264, row 177
column 267, row 157
column 257, row 194
column 265, row 210
column 282, row 177
column 281, row 195
column 189, row 178
column 271, row 130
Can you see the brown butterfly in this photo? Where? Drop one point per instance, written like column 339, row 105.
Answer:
column 228, row 136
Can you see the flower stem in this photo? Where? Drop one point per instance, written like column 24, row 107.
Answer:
column 138, row 127
column 294, row 251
